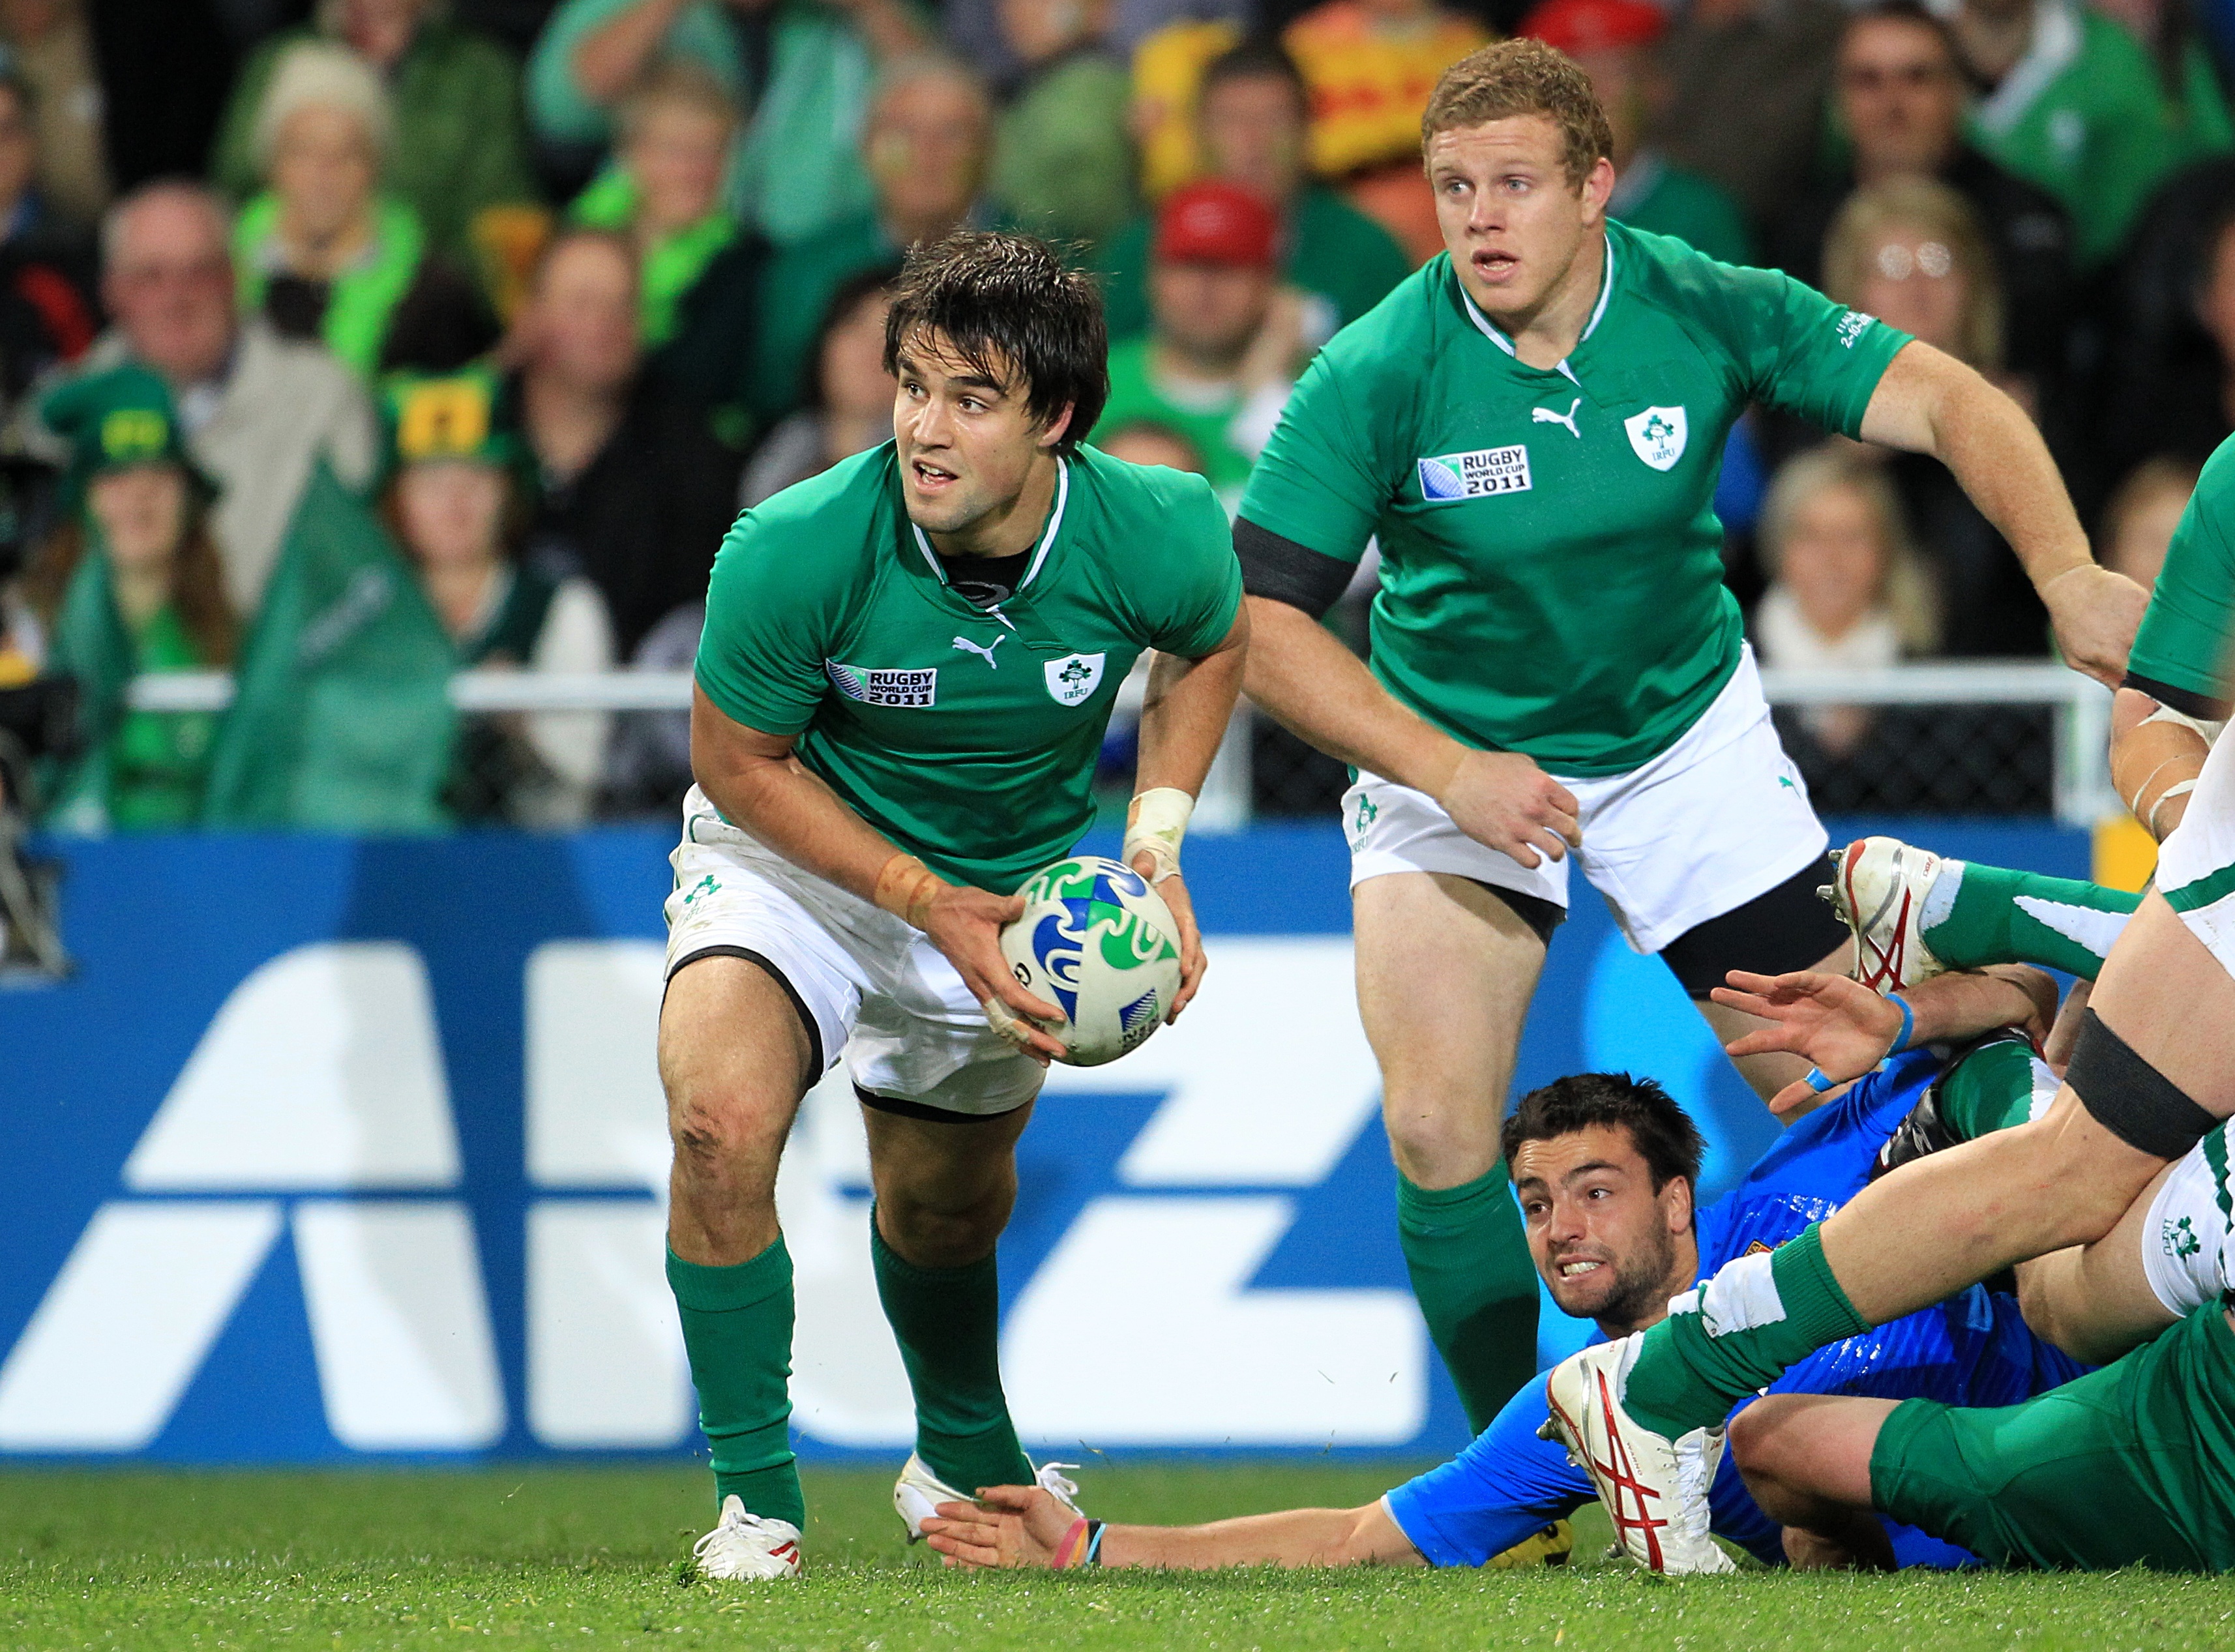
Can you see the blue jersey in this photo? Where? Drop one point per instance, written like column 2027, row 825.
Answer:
column 1971, row 1350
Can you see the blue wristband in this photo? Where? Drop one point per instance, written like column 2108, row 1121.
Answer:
column 1908, row 1025
column 1816, row 1081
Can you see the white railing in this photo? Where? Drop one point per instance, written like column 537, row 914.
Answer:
column 2082, row 708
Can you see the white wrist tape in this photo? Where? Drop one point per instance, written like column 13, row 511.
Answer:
column 2206, row 729
column 1154, row 826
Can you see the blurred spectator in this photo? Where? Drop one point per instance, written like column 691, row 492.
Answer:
column 1911, row 251
column 1224, row 337
column 130, row 582
column 259, row 410
column 1899, row 99
column 46, row 264
column 459, row 157
column 1251, row 123
column 927, row 141
column 1168, row 66
column 1063, row 164
column 324, row 253
column 1613, row 41
column 2172, row 389
column 51, row 45
column 2144, row 510
column 972, row 29
column 630, row 490
column 1845, row 592
column 648, row 760
column 456, row 503
column 849, row 410
column 2076, row 104
column 803, row 68
column 1144, row 442
column 697, row 272
column 1370, row 65
column 1745, row 86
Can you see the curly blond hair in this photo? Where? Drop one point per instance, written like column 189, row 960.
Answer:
column 1522, row 76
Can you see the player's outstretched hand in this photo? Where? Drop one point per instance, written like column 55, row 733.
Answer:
column 1504, row 800
column 1839, row 1025
column 1008, row 1526
column 1192, row 962
column 965, row 924
column 2096, row 613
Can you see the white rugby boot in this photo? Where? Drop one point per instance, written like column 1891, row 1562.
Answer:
column 744, row 1548
column 918, row 1492
column 1879, row 886
column 1655, row 1489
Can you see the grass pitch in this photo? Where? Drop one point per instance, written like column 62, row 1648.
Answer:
column 583, row 1558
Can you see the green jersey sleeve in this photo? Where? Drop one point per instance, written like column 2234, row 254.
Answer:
column 1189, row 609
column 2183, row 644
column 1798, row 353
column 1320, row 481
column 771, row 609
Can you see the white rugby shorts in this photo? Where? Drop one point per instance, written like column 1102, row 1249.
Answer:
column 2184, row 1239
column 1719, row 817
column 873, row 987
column 2196, row 867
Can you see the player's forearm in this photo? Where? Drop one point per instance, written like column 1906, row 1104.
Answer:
column 1292, row 1537
column 1965, row 1003
column 2156, row 758
column 1316, row 688
column 1186, row 712
column 1929, row 403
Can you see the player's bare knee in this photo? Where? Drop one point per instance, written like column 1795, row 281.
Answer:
column 933, row 1234
column 1436, row 1140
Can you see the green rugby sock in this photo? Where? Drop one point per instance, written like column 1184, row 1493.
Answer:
column 736, row 1328
column 947, row 1322
column 1685, row 1378
column 1989, row 914
column 1991, row 1089
column 1476, row 1286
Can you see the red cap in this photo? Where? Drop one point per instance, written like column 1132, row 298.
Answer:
column 1578, row 26
column 1216, row 222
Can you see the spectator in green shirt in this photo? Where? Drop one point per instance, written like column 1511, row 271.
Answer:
column 2075, row 104
column 927, row 143
column 698, row 270
column 1613, row 41
column 460, row 135
column 131, row 583
column 1063, row 163
column 802, row 68
column 1224, row 337
column 1251, row 122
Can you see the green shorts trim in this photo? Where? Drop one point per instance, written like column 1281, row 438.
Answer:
column 2133, row 1465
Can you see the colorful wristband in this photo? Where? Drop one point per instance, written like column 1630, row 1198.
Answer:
column 1908, row 1024
column 1094, row 1545
column 1072, row 1550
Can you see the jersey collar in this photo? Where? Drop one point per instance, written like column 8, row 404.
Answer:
column 1490, row 330
column 1047, row 539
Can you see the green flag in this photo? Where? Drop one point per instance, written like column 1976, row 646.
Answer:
column 341, row 715
column 90, row 644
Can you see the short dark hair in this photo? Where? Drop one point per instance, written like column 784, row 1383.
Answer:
column 1906, row 11
column 1522, row 76
column 1260, row 57
column 1663, row 1133
column 1006, row 304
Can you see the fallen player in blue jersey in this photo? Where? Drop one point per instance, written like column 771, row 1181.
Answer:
column 1604, row 1166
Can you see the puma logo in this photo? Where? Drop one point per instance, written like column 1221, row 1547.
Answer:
column 970, row 647
column 1546, row 415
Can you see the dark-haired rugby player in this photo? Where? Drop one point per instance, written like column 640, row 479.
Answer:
column 907, row 665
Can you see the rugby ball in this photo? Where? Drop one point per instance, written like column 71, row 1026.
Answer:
column 1097, row 939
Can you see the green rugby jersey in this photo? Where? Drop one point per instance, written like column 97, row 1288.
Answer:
column 967, row 737
column 2180, row 655
column 1551, row 572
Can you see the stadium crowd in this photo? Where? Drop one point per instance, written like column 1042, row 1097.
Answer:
column 499, row 311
